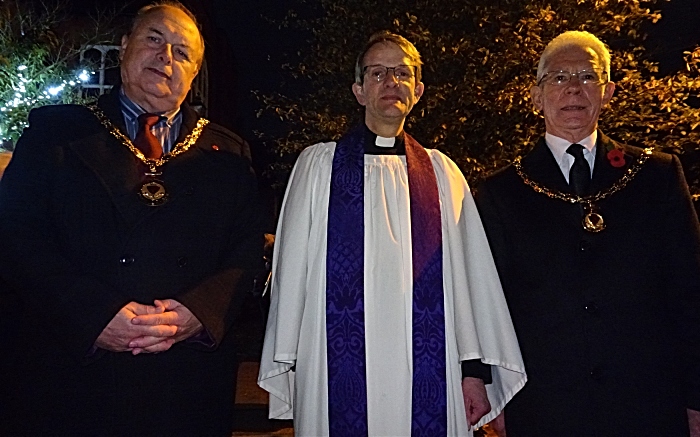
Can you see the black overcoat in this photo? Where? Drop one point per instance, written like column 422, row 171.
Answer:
column 608, row 322
column 78, row 244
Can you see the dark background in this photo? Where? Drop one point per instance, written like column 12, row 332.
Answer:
column 246, row 48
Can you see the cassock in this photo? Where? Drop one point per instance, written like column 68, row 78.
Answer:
column 477, row 324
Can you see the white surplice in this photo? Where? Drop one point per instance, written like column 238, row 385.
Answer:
column 477, row 322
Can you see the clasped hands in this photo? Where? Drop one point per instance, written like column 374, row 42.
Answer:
column 139, row 328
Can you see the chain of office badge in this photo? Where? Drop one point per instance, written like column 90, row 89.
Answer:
column 152, row 190
column 592, row 220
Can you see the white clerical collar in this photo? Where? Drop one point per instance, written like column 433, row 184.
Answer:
column 385, row 142
column 559, row 145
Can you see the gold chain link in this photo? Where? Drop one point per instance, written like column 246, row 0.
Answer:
column 153, row 164
column 589, row 200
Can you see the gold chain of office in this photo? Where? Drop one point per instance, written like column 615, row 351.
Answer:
column 592, row 220
column 153, row 164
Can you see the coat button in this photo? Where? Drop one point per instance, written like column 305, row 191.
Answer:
column 126, row 260
column 182, row 261
column 584, row 245
column 591, row 308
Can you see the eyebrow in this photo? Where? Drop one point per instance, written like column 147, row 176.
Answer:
column 154, row 30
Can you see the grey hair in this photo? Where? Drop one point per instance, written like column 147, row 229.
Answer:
column 162, row 4
column 574, row 38
column 385, row 36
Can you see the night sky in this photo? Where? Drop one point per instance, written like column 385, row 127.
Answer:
column 260, row 47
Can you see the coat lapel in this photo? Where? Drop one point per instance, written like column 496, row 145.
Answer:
column 541, row 166
column 114, row 165
column 605, row 174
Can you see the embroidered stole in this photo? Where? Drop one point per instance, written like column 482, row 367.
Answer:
column 345, row 328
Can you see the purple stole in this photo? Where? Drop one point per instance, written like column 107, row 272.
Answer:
column 345, row 326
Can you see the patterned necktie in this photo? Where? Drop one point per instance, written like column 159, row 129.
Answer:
column 580, row 172
column 145, row 141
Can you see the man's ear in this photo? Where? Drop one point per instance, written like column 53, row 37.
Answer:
column 537, row 98
column 419, row 90
column 359, row 92
column 608, row 93
column 122, row 48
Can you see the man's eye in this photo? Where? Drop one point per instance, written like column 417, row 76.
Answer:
column 560, row 77
column 588, row 77
column 403, row 73
column 183, row 54
column 154, row 38
column 376, row 72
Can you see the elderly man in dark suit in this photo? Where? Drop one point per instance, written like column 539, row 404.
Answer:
column 128, row 229
column 598, row 248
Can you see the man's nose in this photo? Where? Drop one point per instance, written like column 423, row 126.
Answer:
column 390, row 79
column 573, row 85
column 166, row 53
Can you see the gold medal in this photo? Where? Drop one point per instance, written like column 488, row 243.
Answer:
column 593, row 222
column 153, row 192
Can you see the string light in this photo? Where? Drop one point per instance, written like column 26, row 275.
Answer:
column 27, row 93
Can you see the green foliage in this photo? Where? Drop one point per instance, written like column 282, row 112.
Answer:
column 480, row 61
column 38, row 60
column 25, row 81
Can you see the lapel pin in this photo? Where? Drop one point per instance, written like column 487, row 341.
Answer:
column 215, row 147
column 616, row 158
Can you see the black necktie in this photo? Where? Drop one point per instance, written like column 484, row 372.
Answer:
column 580, row 173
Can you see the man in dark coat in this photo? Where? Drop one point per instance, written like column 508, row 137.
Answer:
column 123, row 264
column 598, row 249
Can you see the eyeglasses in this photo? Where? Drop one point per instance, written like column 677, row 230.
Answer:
column 586, row 77
column 402, row 73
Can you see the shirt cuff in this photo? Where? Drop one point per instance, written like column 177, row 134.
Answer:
column 203, row 338
column 476, row 369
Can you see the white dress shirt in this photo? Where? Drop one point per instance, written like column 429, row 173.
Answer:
column 558, row 147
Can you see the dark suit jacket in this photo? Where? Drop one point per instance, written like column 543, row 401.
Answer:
column 78, row 244
column 608, row 322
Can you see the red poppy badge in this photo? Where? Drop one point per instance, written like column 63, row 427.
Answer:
column 616, row 158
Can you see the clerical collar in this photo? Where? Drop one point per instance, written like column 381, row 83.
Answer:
column 376, row 145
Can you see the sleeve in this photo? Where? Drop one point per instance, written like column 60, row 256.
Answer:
column 71, row 306
column 486, row 203
column 476, row 369
column 683, row 275
column 290, row 265
column 483, row 327
column 216, row 300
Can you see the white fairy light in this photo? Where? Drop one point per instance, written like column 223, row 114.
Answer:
column 54, row 90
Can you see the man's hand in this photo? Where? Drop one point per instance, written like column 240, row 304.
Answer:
column 694, row 423
column 498, row 425
column 121, row 330
column 476, row 402
column 173, row 314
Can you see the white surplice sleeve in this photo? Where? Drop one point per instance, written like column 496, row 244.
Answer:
column 289, row 284
column 482, row 323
